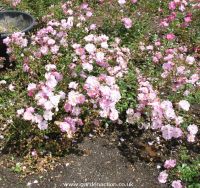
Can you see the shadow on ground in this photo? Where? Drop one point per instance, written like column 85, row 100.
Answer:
column 102, row 162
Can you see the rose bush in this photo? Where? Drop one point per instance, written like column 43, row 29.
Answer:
column 81, row 69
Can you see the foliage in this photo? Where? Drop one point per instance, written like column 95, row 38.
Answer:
column 96, row 63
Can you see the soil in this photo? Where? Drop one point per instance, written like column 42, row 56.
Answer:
column 101, row 161
column 10, row 25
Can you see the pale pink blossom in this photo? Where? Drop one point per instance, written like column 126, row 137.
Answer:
column 170, row 36
column 121, row 2
column 185, row 105
column 170, row 163
column 11, row 87
column 44, row 50
column 43, row 125
column 73, row 85
column 114, row 115
column 54, row 49
column 190, row 137
column 134, row 1
column 177, row 184
column 190, row 60
column 100, row 56
column 15, row 2
column 193, row 129
column 162, row 178
column 167, row 132
column 177, row 132
column 90, row 48
column 75, row 98
column 48, row 115
column 20, row 111
column 172, row 5
column 50, row 67
column 127, row 23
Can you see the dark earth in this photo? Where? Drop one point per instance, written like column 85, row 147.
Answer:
column 102, row 162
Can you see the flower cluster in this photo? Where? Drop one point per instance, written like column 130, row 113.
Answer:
column 100, row 91
column 163, row 176
column 122, row 2
column 178, row 67
column 127, row 23
column 97, row 53
column 105, row 93
column 178, row 9
column 16, row 39
column 46, row 98
column 16, row 2
column 192, row 129
column 94, row 67
column 81, row 13
column 162, row 112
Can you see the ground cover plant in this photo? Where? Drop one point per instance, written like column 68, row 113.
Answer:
column 127, row 66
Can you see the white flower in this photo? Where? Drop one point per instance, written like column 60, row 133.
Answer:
column 11, row 87
column 48, row 105
column 55, row 100
column 73, row 85
column 48, row 115
column 193, row 129
column 104, row 45
column 3, row 82
column 90, row 48
column 20, row 111
column 51, row 82
column 103, row 113
column 190, row 60
column 62, row 94
column 43, row 125
column 114, row 115
column 190, row 137
column 121, row 2
column 31, row 86
column 130, row 111
column 87, row 66
column 185, row 105
column 51, row 42
column 162, row 178
column 99, row 56
column 89, row 38
column 50, row 67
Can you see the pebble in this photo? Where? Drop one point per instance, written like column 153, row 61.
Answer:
column 2, row 82
column 35, row 181
column 1, row 137
column 122, row 139
column 29, row 184
column 67, row 164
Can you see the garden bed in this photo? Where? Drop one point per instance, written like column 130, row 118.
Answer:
column 110, row 85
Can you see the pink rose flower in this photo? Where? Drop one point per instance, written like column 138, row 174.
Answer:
column 162, row 178
column 193, row 129
column 177, row 132
column 170, row 163
column 121, row 2
column 177, row 184
column 167, row 132
column 190, row 137
column 133, row 1
column 185, row 105
column 172, row 5
column 127, row 23
column 90, row 48
column 170, row 36
column 190, row 60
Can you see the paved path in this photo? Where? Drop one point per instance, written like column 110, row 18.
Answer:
column 101, row 163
